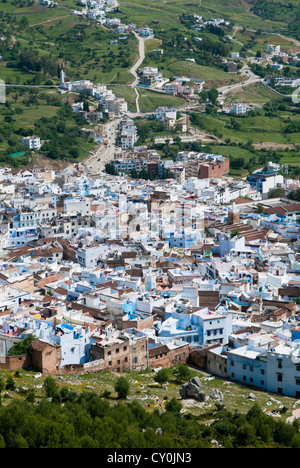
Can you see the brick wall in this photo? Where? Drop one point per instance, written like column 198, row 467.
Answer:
column 16, row 362
column 214, row 170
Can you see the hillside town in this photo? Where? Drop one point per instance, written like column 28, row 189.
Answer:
column 110, row 272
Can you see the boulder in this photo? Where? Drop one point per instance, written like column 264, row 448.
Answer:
column 216, row 395
column 196, row 381
column 193, row 389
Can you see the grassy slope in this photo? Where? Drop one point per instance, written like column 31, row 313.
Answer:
column 252, row 94
column 258, row 128
column 149, row 394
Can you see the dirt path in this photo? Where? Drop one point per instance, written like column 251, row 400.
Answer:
column 135, row 67
column 295, row 415
column 48, row 21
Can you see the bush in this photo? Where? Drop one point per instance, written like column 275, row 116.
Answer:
column 22, row 347
column 173, row 405
column 122, row 387
column 161, row 376
column 50, row 386
column 182, row 373
column 10, row 383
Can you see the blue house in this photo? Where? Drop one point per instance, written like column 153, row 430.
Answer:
column 197, row 328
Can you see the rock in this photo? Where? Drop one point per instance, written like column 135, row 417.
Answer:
column 202, row 396
column 183, row 390
column 252, row 396
column 193, row 389
column 216, row 395
column 196, row 381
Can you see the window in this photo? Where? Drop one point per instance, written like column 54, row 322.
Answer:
column 244, row 366
column 262, row 372
column 297, row 382
column 279, row 377
column 118, row 361
column 262, row 382
column 279, row 363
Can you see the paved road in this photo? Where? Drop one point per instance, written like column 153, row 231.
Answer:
column 135, row 67
column 105, row 153
column 138, row 63
column 252, row 78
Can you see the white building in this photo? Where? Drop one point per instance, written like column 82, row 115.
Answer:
column 31, row 142
column 163, row 113
column 77, row 205
column 273, row 49
column 239, row 108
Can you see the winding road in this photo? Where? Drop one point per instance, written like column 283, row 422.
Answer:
column 135, row 67
column 252, row 78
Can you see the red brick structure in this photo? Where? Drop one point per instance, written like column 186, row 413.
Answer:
column 163, row 356
column 198, row 357
column 139, row 324
column 16, row 362
column 122, row 355
column 44, row 357
column 213, row 169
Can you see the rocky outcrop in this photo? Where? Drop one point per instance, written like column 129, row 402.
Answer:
column 193, row 389
column 216, row 395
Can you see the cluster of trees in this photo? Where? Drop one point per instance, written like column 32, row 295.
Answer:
column 31, row 62
column 177, row 45
column 215, row 48
column 67, row 419
column 146, row 127
column 63, row 135
column 292, row 127
column 280, row 11
column 294, row 195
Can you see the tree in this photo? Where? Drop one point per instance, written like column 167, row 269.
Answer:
column 213, row 95
column 122, row 387
column 260, row 209
column 31, row 396
column 182, row 373
column 10, row 383
column 161, row 376
column 173, row 405
column 50, row 386
column 22, row 347
column 294, row 195
column 276, row 193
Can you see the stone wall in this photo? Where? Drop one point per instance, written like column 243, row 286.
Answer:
column 15, row 362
